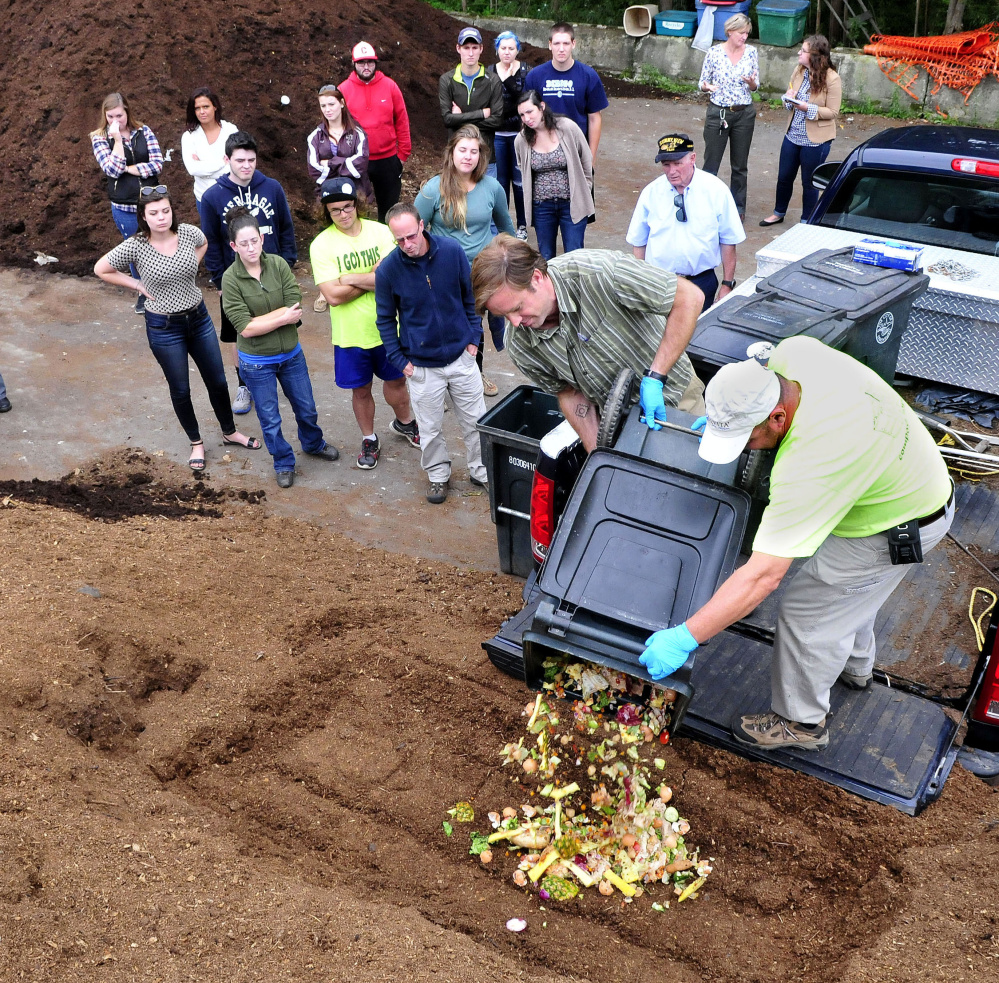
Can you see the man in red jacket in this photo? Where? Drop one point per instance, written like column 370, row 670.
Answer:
column 375, row 101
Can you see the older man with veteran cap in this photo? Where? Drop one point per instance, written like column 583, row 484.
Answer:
column 687, row 221
column 576, row 320
column 857, row 483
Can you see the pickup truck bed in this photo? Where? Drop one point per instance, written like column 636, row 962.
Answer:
column 888, row 744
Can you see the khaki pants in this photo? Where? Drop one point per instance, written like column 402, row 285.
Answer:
column 427, row 388
column 825, row 622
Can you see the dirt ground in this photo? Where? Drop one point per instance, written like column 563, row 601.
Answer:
column 229, row 740
column 232, row 718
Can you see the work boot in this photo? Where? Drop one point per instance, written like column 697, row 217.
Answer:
column 853, row 681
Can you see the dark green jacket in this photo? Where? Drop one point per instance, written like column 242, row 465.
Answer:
column 244, row 298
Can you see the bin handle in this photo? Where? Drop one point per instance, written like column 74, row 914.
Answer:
column 513, row 512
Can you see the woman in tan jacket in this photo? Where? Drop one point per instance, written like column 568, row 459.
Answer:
column 557, row 169
column 813, row 96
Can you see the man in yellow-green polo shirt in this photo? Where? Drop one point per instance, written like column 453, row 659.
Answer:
column 853, row 462
column 344, row 257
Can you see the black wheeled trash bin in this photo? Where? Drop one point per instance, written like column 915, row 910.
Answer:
column 511, row 434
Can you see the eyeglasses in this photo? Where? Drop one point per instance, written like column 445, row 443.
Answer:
column 347, row 206
column 681, row 211
column 160, row 189
column 412, row 237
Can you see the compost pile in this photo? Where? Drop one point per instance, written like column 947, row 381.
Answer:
column 631, row 834
column 227, row 743
column 61, row 59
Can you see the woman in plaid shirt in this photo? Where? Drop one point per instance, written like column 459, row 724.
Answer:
column 128, row 153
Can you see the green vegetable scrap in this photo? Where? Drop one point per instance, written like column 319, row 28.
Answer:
column 448, row 828
column 462, row 812
column 480, row 842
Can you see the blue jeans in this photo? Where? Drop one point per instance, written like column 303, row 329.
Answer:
column 507, row 171
column 3, row 389
column 293, row 374
column 549, row 217
column 172, row 338
column 127, row 223
column 791, row 158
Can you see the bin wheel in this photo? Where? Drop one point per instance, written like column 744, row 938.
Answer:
column 616, row 408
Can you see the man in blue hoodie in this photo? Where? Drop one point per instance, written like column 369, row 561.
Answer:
column 244, row 186
column 426, row 318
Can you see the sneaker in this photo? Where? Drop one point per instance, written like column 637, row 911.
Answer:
column 4, row 405
column 368, row 458
column 769, row 731
column 408, row 430
column 140, row 304
column 321, row 304
column 852, row 681
column 479, row 484
column 243, row 401
column 437, row 492
column 285, row 479
column 489, row 387
column 522, row 233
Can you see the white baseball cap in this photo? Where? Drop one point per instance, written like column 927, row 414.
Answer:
column 363, row 52
column 739, row 397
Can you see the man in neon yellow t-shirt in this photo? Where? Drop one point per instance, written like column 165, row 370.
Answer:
column 344, row 257
column 853, row 461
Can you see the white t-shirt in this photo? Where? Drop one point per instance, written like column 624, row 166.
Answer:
column 693, row 246
column 211, row 156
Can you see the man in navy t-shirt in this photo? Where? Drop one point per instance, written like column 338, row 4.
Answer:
column 569, row 87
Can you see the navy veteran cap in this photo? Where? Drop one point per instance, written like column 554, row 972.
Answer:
column 673, row 146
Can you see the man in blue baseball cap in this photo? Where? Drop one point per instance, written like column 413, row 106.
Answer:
column 469, row 94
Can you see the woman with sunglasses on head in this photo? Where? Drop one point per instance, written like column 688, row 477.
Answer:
column 511, row 72
column 202, row 144
column 731, row 74
column 463, row 202
column 178, row 324
column 813, row 96
column 337, row 147
column 264, row 303
column 557, row 167
column 128, row 153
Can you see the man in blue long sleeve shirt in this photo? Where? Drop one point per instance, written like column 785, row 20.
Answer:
column 243, row 187
column 427, row 321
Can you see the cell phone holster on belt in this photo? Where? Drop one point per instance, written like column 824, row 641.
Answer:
column 904, row 544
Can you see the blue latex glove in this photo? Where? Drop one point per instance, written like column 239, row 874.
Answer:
column 653, row 405
column 700, row 423
column 667, row 650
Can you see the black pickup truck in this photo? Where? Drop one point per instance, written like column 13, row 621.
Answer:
column 638, row 534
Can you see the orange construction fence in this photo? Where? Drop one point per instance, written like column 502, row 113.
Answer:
column 959, row 61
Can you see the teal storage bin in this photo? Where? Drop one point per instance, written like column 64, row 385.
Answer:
column 676, row 23
column 781, row 22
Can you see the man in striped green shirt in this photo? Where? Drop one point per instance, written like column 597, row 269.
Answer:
column 578, row 319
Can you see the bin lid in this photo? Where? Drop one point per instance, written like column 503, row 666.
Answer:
column 643, row 545
column 725, row 332
column 785, row 7
column 830, row 279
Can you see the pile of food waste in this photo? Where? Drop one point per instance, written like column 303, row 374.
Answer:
column 603, row 814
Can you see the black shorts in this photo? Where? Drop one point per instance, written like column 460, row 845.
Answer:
column 227, row 333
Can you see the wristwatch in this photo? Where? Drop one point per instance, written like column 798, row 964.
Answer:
column 658, row 376
column 729, row 283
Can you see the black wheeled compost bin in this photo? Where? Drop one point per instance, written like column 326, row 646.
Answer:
column 511, row 434
column 859, row 309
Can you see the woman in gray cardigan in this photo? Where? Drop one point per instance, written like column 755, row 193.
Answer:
column 557, row 166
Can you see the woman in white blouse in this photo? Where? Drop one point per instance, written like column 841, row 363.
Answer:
column 203, row 142
column 731, row 73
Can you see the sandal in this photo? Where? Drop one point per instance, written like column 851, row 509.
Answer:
column 252, row 444
column 197, row 464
